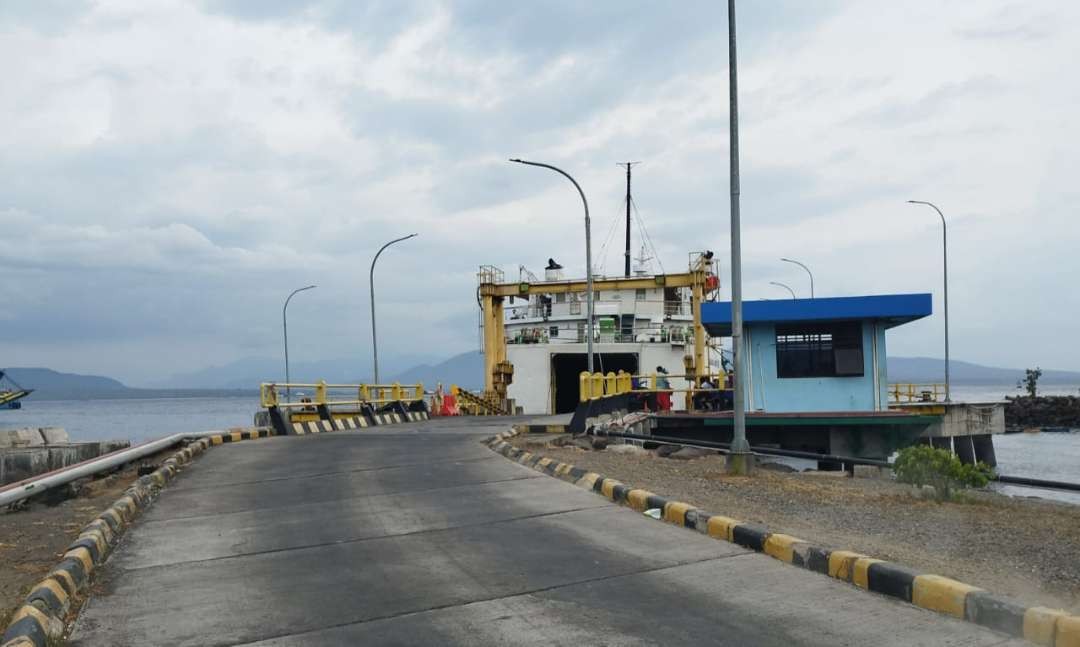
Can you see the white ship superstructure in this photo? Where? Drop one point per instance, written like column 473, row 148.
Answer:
column 641, row 322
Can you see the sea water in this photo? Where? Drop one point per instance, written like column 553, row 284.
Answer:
column 133, row 419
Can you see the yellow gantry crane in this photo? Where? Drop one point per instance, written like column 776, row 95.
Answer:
column 494, row 290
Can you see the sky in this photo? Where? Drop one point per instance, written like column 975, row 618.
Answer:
column 170, row 171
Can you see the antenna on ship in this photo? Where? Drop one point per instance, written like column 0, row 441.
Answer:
column 628, row 166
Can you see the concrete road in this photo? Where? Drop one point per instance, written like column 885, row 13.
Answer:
column 419, row 535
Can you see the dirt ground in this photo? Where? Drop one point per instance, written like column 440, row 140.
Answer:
column 1025, row 548
column 33, row 540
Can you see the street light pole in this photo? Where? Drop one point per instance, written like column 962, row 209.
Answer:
column 786, row 287
column 285, row 332
column 588, row 255
column 945, row 259
column 371, row 289
column 788, row 260
column 740, row 460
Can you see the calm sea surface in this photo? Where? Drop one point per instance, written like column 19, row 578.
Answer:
column 134, row 420
column 1053, row 456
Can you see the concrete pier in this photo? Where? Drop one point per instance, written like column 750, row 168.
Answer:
column 417, row 534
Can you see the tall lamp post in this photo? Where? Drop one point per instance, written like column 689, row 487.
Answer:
column 786, row 287
column 588, row 255
column 740, row 460
column 945, row 262
column 285, row 332
column 788, row 260
column 371, row 289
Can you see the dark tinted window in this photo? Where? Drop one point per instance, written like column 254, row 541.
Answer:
column 819, row 350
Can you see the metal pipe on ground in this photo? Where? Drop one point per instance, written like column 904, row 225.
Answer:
column 24, row 489
column 851, row 460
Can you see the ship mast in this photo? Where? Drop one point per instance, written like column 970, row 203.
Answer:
column 626, row 252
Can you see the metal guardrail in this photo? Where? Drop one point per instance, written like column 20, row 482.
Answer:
column 593, row 386
column 909, row 393
column 269, row 394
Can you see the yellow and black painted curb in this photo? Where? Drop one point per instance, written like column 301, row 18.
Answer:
column 540, row 429
column 357, row 422
column 1039, row 625
column 43, row 614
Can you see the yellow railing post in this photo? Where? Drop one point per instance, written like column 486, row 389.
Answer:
column 419, row 391
column 268, row 395
column 597, row 385
column 584, row 386
column 395, row 392
column 623, row 382
column 365, row 393
column 609, row 383
column 320, row 392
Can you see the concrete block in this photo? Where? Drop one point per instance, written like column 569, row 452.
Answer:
column 29, row 437
column 54, row 435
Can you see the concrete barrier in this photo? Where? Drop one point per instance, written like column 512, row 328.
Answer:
column 1039, row 625
column 28, row 452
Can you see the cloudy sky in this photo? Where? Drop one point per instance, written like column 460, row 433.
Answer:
column 169, row 171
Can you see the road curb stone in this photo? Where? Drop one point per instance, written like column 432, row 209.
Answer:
column 43, row 615
column 1039, row 625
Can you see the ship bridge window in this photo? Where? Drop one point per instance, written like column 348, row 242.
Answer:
column 560, row 297
column 639, row 295
column 819, row 350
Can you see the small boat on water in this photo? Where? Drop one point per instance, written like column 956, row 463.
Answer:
column 9, row 398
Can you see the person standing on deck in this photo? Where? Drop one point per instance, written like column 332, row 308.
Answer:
column 663, row 395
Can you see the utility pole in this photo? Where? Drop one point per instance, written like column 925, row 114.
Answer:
column 740, row 459
column 285, row 333
column 945, row 261
column 791, row 260
column 628, row 166
column 371, row 289
column 589, row 297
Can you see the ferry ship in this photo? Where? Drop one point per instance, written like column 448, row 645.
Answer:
column 643, row 323
column 535, row 332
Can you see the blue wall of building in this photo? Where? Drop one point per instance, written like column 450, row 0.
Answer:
column 770, row 393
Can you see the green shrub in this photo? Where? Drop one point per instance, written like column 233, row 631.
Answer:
column 925, row 465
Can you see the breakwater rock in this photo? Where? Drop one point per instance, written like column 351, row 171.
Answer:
column 1043, row 411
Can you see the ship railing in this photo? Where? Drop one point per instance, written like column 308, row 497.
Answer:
column 904, row 393
column 573, row 332
column 279, row 394
column 577, row 307
column 593, row 386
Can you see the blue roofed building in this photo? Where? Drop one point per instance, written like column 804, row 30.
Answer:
column 817, row 355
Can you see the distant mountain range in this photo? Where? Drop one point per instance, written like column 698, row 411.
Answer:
column 48, row 384
column 930, row 369
column 465, row 370
column 243, row 378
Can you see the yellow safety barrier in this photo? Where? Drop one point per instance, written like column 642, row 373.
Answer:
column 598, row 385
column 271, row 395
column 906, row 393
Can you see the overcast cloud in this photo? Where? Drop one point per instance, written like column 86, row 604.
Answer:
column 169, row 171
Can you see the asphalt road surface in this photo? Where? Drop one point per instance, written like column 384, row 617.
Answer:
column 419, row 535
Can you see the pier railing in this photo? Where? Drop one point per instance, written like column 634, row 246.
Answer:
column 275, row 394
column 593, row 386
column 909, row 393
